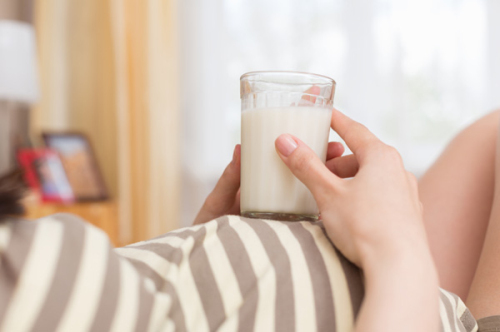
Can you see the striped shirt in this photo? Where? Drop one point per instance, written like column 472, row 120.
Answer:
column 231, row 274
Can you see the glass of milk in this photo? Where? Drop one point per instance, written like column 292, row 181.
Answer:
column 275, row 103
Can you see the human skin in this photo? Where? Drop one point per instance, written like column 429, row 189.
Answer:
column 460, row 194
column 375, row 219
column 225, row 198
column 461, row 197
column 457, row 195
column 484, row 295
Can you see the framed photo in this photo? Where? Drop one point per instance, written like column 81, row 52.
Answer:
column 45, row 173
column 78, row 159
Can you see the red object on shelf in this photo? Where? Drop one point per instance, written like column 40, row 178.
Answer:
column 45, row 173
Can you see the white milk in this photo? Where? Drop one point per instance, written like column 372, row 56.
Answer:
column 267, row 185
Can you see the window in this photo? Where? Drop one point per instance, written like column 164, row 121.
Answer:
column 414, row 72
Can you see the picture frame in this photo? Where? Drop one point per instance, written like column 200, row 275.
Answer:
column 79, row 161
column 44, row 173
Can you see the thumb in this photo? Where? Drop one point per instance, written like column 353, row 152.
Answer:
column 306, row 165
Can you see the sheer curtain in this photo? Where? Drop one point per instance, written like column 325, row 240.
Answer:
column 414, row 72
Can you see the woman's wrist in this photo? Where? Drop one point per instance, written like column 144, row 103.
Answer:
column 404, row 289
column 405, row 262
column 407, row 257
column 402, row 249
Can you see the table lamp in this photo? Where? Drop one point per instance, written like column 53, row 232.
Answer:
column 18, row 85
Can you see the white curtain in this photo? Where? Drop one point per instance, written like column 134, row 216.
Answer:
column 414, row 72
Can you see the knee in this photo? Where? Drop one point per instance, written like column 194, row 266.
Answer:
column 482, row 131
column 488, row 123
column 492, row 118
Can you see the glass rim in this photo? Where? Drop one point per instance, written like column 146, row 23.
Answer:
column 322, row 78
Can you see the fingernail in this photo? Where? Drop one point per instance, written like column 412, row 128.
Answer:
column 286, row 144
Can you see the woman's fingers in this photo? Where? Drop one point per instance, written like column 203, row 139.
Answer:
column 343, row 167
column 358, row 138
column 305, row 165
column 311, row 93
column 334, row 150
column 228, row 185
column 222, row 199
column 235, row 209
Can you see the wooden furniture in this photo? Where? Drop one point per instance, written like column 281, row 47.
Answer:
column 101, row 214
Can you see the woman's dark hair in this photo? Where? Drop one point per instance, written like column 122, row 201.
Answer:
column 12, row 190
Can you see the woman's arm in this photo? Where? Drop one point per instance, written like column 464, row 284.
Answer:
column 401, row 293
column 375, row 220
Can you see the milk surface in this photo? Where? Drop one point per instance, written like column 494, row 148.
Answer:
column 267, row 185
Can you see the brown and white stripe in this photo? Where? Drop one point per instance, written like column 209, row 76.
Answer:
column 231, row 274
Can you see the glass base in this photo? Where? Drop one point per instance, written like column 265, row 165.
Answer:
column 281, row 216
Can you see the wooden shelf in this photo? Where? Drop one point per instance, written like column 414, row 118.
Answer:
column 101, row 214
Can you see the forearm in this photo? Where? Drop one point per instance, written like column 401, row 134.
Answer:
column 401, row 294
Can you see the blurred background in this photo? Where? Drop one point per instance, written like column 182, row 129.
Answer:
column 153, row 86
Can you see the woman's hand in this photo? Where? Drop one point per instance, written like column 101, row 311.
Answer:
column 375, row 212
column 375, row 220
column 225, row 198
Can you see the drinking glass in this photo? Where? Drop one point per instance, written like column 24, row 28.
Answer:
column 274, row 103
